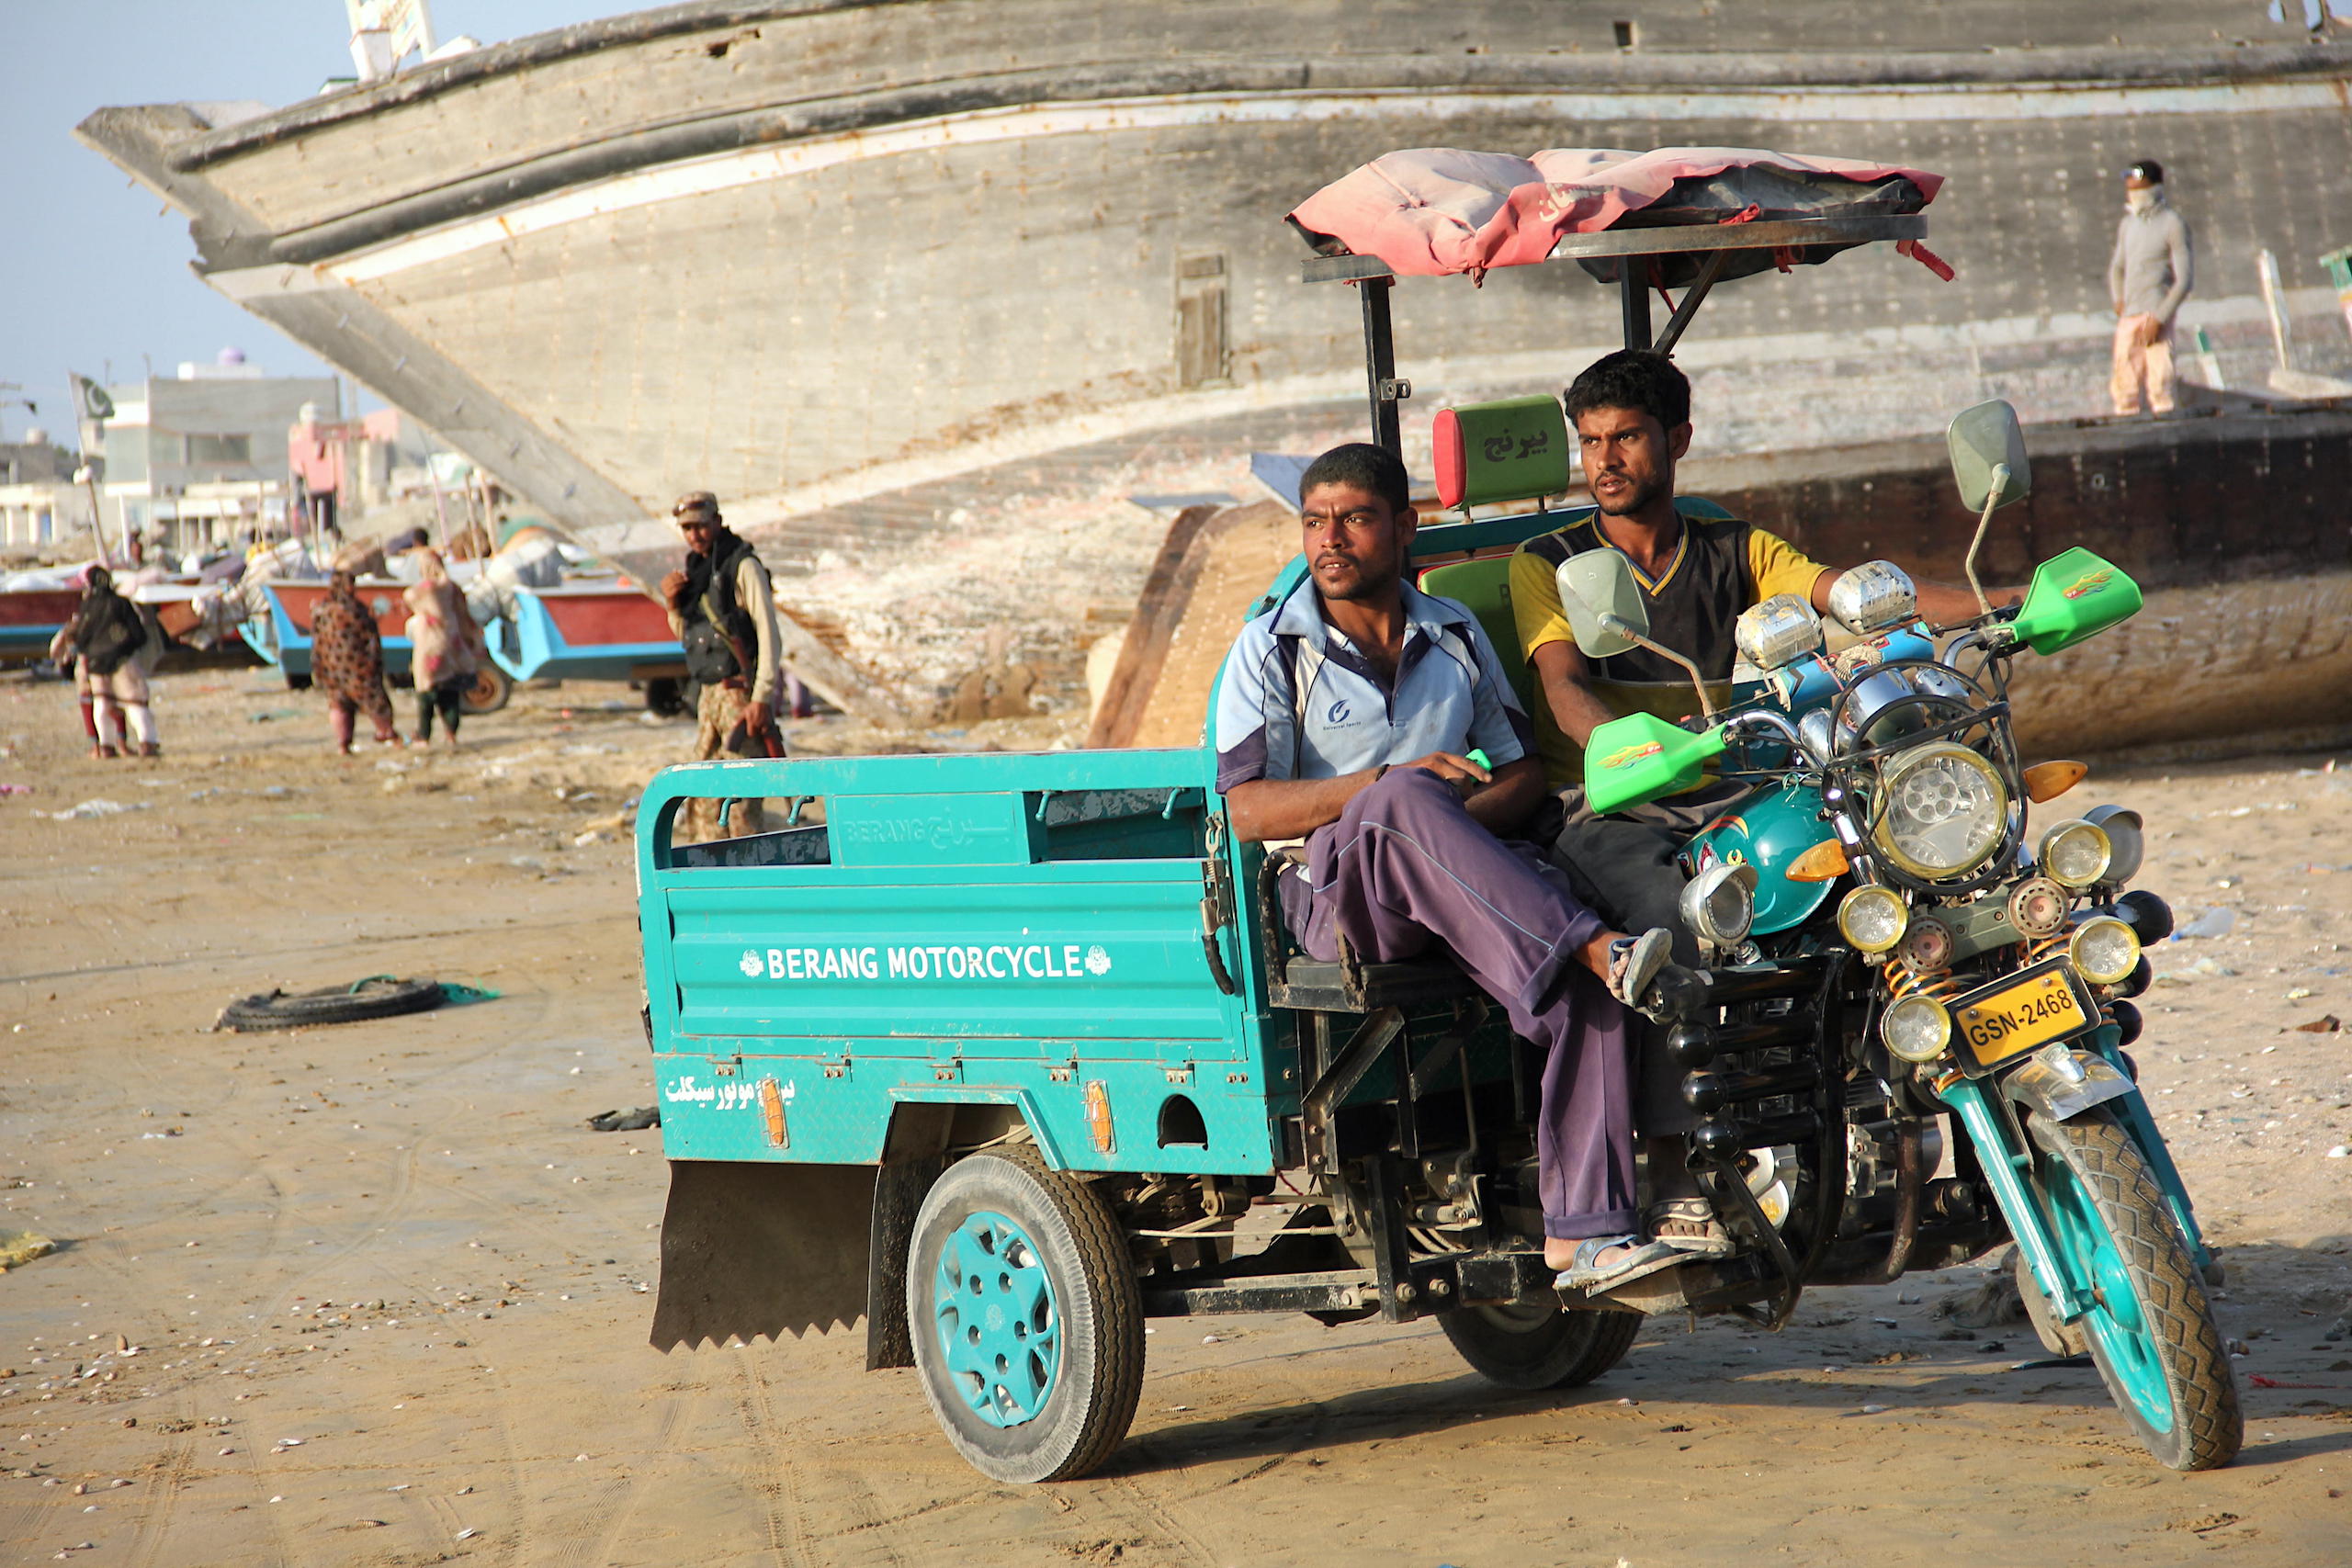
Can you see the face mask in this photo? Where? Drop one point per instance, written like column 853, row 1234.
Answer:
column 2139, row 201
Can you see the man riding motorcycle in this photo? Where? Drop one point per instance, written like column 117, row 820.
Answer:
column 1632, row 414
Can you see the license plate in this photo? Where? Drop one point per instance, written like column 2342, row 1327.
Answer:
column 2014, row 1017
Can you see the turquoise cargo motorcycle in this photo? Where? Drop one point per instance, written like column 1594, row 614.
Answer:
column 1979, row 975
column 1008, row 1055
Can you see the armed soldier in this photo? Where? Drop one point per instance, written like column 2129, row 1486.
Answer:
column 723, row 610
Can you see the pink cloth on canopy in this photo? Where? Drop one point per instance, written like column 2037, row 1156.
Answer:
column 1427, row 211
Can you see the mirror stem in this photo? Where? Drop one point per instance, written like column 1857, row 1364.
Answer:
column 2000, row 482
column 1617, row 624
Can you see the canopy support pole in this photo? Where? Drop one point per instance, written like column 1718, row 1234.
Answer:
column 1681, row 320
column 1380, row 363
column 1633, row 292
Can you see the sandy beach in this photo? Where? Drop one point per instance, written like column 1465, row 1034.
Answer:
column 373, row 1294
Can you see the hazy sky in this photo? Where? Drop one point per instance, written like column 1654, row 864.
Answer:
column 89, row 272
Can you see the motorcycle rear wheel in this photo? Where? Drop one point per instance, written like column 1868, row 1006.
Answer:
column 1531, row 1348
column 2150, row 1328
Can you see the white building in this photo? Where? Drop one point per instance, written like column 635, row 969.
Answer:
column 201, row 457
column 40, row 506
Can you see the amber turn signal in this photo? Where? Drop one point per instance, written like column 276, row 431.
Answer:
column 2048, row 780
column 1825, row 862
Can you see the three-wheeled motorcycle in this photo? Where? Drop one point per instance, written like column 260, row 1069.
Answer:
column 1008, row 1053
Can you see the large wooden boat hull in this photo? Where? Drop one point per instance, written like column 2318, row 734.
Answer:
column 874, row 272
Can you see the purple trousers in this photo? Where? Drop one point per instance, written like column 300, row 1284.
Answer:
column 1405, row 870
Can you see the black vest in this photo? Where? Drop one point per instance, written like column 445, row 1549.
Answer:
column 1693, row 608
column 715, row 623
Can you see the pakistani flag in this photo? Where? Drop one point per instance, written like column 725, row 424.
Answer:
column 90, row 400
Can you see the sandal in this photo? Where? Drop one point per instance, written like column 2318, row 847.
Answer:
column 1643, row 976
column 1710, row 1239
column 1583, row 1273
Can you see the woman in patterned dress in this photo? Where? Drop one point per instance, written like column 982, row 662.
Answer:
column 347, row 663
column 446, row 647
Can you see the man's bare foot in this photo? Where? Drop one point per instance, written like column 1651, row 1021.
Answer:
column 1680, row 1213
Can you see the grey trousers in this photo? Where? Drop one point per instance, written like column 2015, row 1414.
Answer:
column 1623, row 866
column 1406, row 869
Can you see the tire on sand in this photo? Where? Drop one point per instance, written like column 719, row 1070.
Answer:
column 1026, row 1319
column 1539, row 1347
column 487, row 692
column 668, row 696
column 2152, row 1333
column 381, row 996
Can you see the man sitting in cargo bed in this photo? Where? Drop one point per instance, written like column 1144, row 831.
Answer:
column 1346, row 716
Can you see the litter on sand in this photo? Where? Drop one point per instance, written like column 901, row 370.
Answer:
column 2213, row 922
column 634, row 1121
column 94, row 807
column 20, row 1247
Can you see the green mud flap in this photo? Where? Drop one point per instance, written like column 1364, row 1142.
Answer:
column 751, row 1249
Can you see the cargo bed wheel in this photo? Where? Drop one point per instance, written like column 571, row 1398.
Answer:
column 1538, row 1347
column 1028, row 1323
column 487, row 692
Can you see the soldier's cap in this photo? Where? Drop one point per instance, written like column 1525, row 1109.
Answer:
column 2146, row 169
column 695, row 506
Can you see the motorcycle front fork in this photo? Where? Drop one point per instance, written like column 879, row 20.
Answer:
column 2132, row 1112
column 2008, row 1164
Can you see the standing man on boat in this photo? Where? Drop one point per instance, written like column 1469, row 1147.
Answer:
column 2148, row 276
column 722, row 608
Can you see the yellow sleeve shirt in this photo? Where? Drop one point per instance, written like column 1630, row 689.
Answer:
column 1768, row 564
column 1776, row 566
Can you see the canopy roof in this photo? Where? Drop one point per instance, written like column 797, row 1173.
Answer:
column 1430, row 211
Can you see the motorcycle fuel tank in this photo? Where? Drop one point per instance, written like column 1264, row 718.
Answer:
column 1768, row 830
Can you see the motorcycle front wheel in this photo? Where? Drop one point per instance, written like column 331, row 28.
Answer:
column 2150, row 1326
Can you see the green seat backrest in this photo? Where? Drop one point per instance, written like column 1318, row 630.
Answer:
column 1485, row 587
column 1514, row 449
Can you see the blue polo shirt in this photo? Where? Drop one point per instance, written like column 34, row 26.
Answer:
column 1300, row 702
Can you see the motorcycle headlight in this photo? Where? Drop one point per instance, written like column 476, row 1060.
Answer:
column 2075, row 853
column 1915, row 1028
column 1720, row 902
column 1942, row 807
column 2105, row 950
column 1872, row 918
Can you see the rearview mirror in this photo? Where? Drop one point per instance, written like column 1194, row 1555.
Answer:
column 1985, row 440
column 1598, row 584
